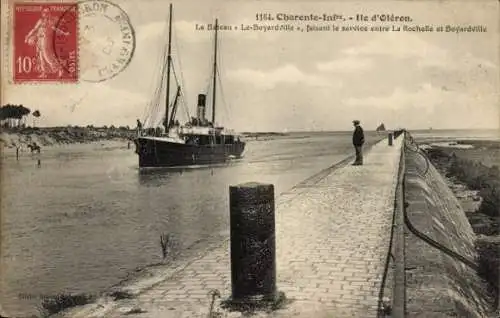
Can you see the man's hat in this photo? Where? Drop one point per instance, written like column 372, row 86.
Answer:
column 355, row 121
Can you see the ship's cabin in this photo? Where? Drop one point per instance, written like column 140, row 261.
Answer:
column 199, row 135
column 202, row 140
column 197, row 131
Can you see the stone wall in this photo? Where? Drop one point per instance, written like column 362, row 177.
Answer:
column 438, row 285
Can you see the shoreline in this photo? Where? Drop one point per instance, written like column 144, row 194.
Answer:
column 52, row 136
column 47, row 137
column 469, row 172
column 134, row 283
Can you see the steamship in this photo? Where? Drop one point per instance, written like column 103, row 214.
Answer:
column 198, row 141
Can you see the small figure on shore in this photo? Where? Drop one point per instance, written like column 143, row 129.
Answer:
column 358, row 139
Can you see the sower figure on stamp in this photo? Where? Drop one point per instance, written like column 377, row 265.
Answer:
column 41, row 36
column 358, row 139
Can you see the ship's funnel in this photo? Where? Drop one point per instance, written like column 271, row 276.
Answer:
column 201, row 106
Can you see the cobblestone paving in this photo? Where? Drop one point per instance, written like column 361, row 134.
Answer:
column 331, row 243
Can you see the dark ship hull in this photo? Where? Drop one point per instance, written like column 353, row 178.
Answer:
column 154, row 152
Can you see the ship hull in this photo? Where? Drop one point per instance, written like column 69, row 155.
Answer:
column 158, row 153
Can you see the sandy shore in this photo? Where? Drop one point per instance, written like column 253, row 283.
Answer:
column 19, row 140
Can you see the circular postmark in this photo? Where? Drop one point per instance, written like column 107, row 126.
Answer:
column 65, row 40
column 106, row 39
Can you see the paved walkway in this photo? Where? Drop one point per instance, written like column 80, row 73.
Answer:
column 331, row 243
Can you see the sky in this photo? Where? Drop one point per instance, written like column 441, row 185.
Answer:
column 290, row 81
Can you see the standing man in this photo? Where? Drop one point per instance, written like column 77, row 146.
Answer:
column 139, row 128
column 358, row 139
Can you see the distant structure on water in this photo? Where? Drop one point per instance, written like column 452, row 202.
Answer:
column 381, row 127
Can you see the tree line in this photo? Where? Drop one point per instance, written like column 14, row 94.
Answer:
column 15, row 115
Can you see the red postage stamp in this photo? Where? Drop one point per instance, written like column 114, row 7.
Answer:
column 45, row 42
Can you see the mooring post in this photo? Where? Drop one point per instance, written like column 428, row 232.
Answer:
column 390, row 139
column 253, row 245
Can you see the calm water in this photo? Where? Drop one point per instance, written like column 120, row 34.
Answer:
column 487, row 134
column 87, row 217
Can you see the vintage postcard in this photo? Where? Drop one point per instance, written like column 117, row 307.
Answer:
column 264, row 158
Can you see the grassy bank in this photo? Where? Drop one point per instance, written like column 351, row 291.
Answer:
column 486, row 152
column 479, row 183
column 49, row 136
column 474, row 174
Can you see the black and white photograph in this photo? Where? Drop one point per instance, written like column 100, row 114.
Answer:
column 271, row 158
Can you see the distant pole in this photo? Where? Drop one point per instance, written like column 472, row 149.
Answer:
column 390, row 139
column 253, row 247
column 17, row 153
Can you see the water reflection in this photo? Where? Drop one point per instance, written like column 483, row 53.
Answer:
column 155, row 177
column 159, row 176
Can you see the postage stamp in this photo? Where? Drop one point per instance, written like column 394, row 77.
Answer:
column 107, row 39
column 90, row 40
column 45, row 44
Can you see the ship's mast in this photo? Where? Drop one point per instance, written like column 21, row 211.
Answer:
column 215, row 73
column 174, row 108
column 169, row 61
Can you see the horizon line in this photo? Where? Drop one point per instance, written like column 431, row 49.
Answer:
column 279, row 132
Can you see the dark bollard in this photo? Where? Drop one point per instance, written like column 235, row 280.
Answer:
column 39, row 163
column 17, row 153
column 390, row 139
column 253, row 249
column 128, row 145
